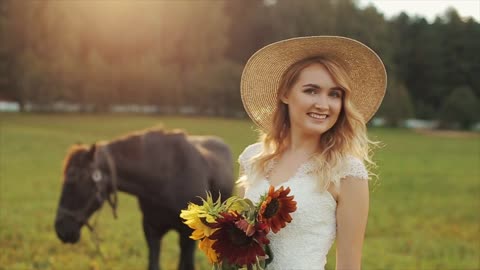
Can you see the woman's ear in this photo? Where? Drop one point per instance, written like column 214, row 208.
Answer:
column 284, row 99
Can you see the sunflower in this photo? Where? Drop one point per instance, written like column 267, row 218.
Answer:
column 206, row 246
column 197, row 218
column 276, row 208
column 247, row 227
column 232, row 242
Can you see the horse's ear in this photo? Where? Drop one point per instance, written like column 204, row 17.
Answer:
column 91, row 151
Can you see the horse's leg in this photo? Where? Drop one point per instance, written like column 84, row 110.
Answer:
column 187, row 248
column 153, row 236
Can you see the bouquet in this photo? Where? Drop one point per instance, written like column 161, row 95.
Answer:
column 234, row 233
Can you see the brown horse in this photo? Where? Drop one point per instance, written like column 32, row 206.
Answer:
column 165, row 170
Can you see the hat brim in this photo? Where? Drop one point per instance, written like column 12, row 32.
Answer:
column 263, row 71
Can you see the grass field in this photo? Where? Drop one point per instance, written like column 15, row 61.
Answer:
column 424, row 212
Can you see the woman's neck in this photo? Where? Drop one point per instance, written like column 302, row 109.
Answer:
column 303, row 143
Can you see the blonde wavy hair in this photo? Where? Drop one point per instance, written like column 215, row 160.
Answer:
column 348, row 136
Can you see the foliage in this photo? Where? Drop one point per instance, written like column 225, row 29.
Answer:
column 178, row 54
column 397, row 104
column 113, row 61
column 461, row 108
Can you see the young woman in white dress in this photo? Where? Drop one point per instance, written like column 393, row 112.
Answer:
column 311, row 98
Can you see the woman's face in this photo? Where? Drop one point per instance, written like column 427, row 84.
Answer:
column 314, row 101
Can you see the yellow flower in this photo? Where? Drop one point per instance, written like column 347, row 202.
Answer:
column 206, row 246
column 197, row 218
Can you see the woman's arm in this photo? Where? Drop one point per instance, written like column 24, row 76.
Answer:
column 240, row 187
column 352, row 214
column 240, row 192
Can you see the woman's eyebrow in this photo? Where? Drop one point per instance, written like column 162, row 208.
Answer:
column 311, row 85
column 318, row 87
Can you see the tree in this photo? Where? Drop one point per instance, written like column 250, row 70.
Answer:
column 250, row 28
column 400, row 34
column 433, row 59
column 4, row 53
column 189, row 53
column 460, row 109
column 217, row 89
column 425, row 69
column 397, row 104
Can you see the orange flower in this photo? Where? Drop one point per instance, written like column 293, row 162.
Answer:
column 276, row 208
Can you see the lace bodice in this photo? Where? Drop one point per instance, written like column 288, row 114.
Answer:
column 305, row 242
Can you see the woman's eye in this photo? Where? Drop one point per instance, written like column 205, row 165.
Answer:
column 310, row 91
column 336, row 94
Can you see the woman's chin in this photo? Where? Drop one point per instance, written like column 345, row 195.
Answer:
column 318, row 128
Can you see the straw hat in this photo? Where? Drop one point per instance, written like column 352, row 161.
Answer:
column 262, row 73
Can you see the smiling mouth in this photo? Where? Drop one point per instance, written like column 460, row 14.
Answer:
column 318, row 115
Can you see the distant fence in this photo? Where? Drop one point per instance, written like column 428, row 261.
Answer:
column 65, row 107
column 8, row 106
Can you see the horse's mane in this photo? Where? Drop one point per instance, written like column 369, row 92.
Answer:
column 74, row 152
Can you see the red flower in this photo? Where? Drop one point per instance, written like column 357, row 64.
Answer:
column 233, row 243
column 276, row 208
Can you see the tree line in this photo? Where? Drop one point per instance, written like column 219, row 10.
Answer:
column 175, row 54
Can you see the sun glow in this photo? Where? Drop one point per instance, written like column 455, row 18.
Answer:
column 116, row 15
column 113, row 26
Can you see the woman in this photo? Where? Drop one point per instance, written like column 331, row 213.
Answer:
column 311, row 98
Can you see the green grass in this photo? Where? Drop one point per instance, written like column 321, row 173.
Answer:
column 424, row 212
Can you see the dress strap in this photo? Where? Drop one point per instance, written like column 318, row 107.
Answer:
column 351, row 166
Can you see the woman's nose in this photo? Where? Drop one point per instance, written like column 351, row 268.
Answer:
column 321, row 102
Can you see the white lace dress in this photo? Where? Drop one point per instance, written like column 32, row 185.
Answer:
column 305, row 242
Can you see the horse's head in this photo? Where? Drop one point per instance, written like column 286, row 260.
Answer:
column 85, row 188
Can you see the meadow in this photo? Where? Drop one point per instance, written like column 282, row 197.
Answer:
column 424, row 207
